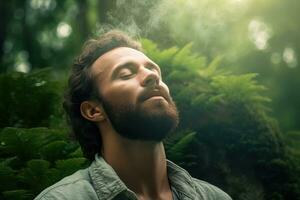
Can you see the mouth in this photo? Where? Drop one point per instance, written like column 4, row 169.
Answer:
column 156, row 98
column 155, row 95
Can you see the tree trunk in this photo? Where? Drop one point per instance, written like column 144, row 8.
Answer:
column 5, row 10
column 82, row 19
column 30, row 44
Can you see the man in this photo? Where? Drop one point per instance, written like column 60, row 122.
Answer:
column 120, row 110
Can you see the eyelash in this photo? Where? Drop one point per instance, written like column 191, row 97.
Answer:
column 126, row 74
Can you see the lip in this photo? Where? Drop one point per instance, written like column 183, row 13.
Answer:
column 156, row 97
column 155, row 94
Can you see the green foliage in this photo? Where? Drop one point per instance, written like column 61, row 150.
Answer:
column 37, row 175
column 32, row 159
column 225, row 136
column 70, row 165
column 231, row 141
column 179, row 149
column 239, row 89
column 29, row 100
column 292, row 140
column 7, row 176
column 180, row 146
column 17, row 195
column 15, row 141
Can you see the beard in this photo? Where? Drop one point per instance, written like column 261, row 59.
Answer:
column 141, row 122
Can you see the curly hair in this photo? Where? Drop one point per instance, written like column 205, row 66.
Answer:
column 81, row 87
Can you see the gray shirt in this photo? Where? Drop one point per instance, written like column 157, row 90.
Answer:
column 175, row 194
column 100, row 182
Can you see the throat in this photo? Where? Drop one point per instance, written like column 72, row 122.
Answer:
column 141, row 166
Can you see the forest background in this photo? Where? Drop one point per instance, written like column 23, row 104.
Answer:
column 232, row 67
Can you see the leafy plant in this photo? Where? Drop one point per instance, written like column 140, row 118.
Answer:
column 32, row 159
column 225, row 135
column 29, row 100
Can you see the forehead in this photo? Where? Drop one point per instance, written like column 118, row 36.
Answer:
column 106, row 63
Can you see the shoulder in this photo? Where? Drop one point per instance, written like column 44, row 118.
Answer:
column 209, row 191
column 75, row 186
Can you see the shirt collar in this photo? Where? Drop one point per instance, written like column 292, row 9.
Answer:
column 108, row 185
column 106, row 182
column 181, row 180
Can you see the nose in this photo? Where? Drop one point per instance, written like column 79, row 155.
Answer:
column 151, row 78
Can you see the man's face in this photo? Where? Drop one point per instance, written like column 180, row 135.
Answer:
column 135, row 99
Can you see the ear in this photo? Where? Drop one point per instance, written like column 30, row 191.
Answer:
column 92, row 111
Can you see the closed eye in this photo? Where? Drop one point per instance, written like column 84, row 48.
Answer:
column 125, row 73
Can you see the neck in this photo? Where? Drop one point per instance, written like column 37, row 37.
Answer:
column 140, row 165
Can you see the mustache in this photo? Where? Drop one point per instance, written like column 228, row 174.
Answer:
column 158, row 90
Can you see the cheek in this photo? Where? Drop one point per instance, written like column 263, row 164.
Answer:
column 121, row 93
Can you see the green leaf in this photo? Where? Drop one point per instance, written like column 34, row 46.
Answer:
column 177, row 151
column 69, row 166
column 38, row 175
column 54, row 150
column 17, row 195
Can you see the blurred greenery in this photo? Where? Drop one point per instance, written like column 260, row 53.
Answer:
column 250, row 35
column 231, row 65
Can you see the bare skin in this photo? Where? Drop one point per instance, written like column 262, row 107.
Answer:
column 141, row 165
